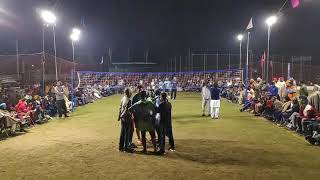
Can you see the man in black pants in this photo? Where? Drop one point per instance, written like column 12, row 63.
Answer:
column 173, row 93
column 144, row 117
column 61, row 103
column 126, row 122
column 136, row 98
column 164, row 109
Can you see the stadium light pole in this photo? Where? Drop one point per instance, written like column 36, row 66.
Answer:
column 49, row 19
column 270, row 21
column 75, row 36
column 240, row 38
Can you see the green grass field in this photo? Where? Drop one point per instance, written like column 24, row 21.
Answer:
column 237, row 146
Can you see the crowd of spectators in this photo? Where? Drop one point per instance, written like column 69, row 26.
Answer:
column 282, row 102
column 22, row 108
column 25, row 107
column 164, row 81
column 285, row 103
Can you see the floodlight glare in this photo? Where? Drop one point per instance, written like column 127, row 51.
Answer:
column 74, row 37
column 271, row 20
column 48, row 17
column 76, row 31
column 240, row 37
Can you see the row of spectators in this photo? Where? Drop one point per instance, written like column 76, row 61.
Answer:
column 23, row 108
column 163, row 81
column 282, row 103
column 26, row 107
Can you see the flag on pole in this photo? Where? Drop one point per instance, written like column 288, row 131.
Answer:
column 289, row 70
column 271, row 64
column 110, row 55
column 263, row 59
column 250, row 25
column 147, row 55
column 82, row 22
column 295, row 3
column 101, row 60
column 110, row 52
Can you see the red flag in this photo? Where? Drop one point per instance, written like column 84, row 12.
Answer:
column 295, row 3
column 263, row 59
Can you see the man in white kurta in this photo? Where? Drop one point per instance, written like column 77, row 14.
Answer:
column 206, row 96
column 281, row 85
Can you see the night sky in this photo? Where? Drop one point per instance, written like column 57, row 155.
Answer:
column 166, row 27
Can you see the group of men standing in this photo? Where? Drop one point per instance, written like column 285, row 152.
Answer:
column 211, row 100
column 145, row 114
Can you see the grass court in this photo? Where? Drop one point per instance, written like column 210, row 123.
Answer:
column 85, row 146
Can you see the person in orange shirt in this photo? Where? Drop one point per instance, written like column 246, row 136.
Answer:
column 291, row 89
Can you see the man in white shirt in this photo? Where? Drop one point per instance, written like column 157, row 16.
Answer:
column 281, row 85
column 206, row 96
column 60, row 99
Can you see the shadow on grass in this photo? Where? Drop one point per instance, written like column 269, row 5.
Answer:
column 191, row 97
column 189, row 116
column 149, row 153
column 220, row 152
column 3, row 136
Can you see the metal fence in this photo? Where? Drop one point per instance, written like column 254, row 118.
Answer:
column 31, row 68
column 300, row 68
column 28, row 67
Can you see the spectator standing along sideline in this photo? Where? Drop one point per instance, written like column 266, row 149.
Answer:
column 60, row 99
column 215, row 101
column 206, row 96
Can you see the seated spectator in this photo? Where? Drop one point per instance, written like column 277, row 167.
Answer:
column 273, row 90
column 269, row 109
column 39, row 110
column 278, row 105
column 260, row 105
column 314, row 98
column 3, row 106
column 8, row 120
column 249, row 101
column 50, row 106
column 303, row 114
column 309, row 114
column 289, row 111
column 241, row 95
column 303, row 90
column 22, row 113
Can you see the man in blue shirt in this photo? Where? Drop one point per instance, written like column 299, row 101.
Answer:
column 215, row 101
column 167, row 85
column 173, row 88
column 273, row 90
